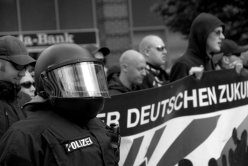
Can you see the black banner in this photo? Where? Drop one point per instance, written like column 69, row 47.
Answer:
column 149, row 108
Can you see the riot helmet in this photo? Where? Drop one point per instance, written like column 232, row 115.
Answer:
column 71, row 79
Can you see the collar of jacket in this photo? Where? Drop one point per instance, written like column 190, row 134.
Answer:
column 153, row 69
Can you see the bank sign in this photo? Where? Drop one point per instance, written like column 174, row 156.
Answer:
column 36, row 42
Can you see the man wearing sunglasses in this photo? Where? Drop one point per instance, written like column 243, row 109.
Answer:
column 154, row 51
column 27, row 84
column 205, row 39
column 13, row 60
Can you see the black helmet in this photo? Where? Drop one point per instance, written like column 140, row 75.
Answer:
column 71, row 79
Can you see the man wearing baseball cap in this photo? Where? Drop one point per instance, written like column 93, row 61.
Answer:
column 13, row 60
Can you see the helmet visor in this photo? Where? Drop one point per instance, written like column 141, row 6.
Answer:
column 84, row 79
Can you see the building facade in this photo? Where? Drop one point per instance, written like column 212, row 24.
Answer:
column 117, row 24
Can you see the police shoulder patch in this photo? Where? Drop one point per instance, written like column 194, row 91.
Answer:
column 78, row 144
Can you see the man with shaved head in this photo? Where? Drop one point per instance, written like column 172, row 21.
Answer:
column 154, row 51
column 132, row 66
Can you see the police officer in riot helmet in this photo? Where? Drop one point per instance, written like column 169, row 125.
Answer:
column 62, row 128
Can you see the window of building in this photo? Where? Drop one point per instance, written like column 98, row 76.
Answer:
column 37, row 15
column 45, row 15
column 76, row 14
column 8, row 15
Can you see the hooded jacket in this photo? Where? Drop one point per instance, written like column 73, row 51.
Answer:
column 196, row 54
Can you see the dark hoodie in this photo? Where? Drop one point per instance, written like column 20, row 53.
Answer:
column 196, row 55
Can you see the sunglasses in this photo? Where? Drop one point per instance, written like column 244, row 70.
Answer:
column 27, row 84
column 160, row 48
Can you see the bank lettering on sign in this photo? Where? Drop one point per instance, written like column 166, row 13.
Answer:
column 43, row 39
column 36, row 42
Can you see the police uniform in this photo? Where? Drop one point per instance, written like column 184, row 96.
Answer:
column 46, row 138
column 61, row 128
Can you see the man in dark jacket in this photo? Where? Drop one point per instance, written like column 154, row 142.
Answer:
column 131, row 75
column 13, row 60
column 61, row 127
column 153, row 49
column 206, row 35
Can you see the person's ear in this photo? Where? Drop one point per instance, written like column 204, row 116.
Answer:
column 147, row 51
column 125, row 67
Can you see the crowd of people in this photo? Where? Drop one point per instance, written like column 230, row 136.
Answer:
column 48, row 106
